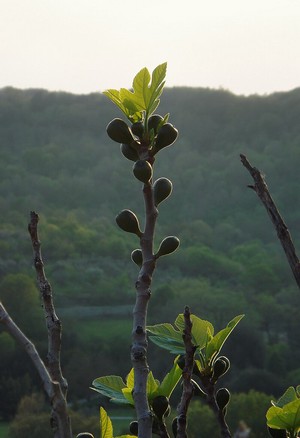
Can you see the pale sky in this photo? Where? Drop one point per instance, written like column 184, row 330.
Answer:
column 83, row 46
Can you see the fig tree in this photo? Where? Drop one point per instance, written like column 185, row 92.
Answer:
column 119, row 131
column 129, row 222
column 142, row 170
column 162, row 188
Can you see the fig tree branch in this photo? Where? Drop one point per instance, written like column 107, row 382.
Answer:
column 262, row 191
column 187, row 372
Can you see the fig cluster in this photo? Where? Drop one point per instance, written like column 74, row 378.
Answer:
column 157, row 135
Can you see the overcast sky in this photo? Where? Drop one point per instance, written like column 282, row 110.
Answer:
column 82, row 46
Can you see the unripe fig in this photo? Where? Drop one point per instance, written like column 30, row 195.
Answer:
column 138, row 129
column 128, row 221
column 134, row 428
column 119, row 131
column 162, row 188
column 222, row 398
column 167, row 246
column 85, row 435
column 129, row 152
column 137, row 257
column 220, row 367
column 161, row 406
column 154, row 121
column 142, row 170
column 166, row 136
column 197, row 391
column 181, row 361
column 277, row 433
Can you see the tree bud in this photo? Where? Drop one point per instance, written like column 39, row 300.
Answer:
column 154, row 121
column 220, row 367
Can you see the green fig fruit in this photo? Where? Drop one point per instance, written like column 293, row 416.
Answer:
column 162, row 188
column 161, row 406
column 277, row 433
column 137, row 129
column 129, row 152
column 134, row 428
column 129, row 222
column 165, row 137
column 154, row 121
column 220, row 367
column 137, row 257
column 119, row 131
column 167, row 246
column 143, row 171
column 222, row 398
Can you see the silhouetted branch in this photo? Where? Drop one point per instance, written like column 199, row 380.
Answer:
column 187, row 372
column 262, row 191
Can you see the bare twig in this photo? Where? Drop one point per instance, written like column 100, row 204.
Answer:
column 262, row 191
column 60, row 420
column 187, row 372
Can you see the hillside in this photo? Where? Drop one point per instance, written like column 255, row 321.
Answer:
column 56, row 159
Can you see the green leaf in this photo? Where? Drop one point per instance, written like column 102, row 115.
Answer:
column 215, row 344
column 141, row 87
column 286, row 417
column 130, row 379
column 105, row 425
column 289, row 396
column 156, row 87
column 199, row 329
column 110, row 386
column 127, row 393
column 165, row 336
column 170, row 381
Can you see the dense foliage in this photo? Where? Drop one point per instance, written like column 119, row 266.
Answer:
column 57, row 160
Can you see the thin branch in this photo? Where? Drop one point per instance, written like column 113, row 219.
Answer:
column 54, row 326
column 187, row 372
column 262, row 191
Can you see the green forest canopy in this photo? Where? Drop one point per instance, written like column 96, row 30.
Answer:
column 56, row 159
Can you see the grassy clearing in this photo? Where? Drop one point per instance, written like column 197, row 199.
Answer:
column 103, row 329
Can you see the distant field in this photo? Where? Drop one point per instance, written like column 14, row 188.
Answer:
column 3, row 430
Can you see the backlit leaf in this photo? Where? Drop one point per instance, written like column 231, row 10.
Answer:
column 105, row 425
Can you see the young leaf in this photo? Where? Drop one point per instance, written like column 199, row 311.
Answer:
column 286, row 417
column 289, row 396
column 110, row 386
column 199, row 329
column 215, row 344
column 105, row 425
column 165, row 336
column 157, row 85
column 152, row 386
column 127, row 393
column 170, row 381
column 141, row 87
column 130, row 379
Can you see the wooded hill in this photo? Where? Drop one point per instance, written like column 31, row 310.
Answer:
column 56, row 159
